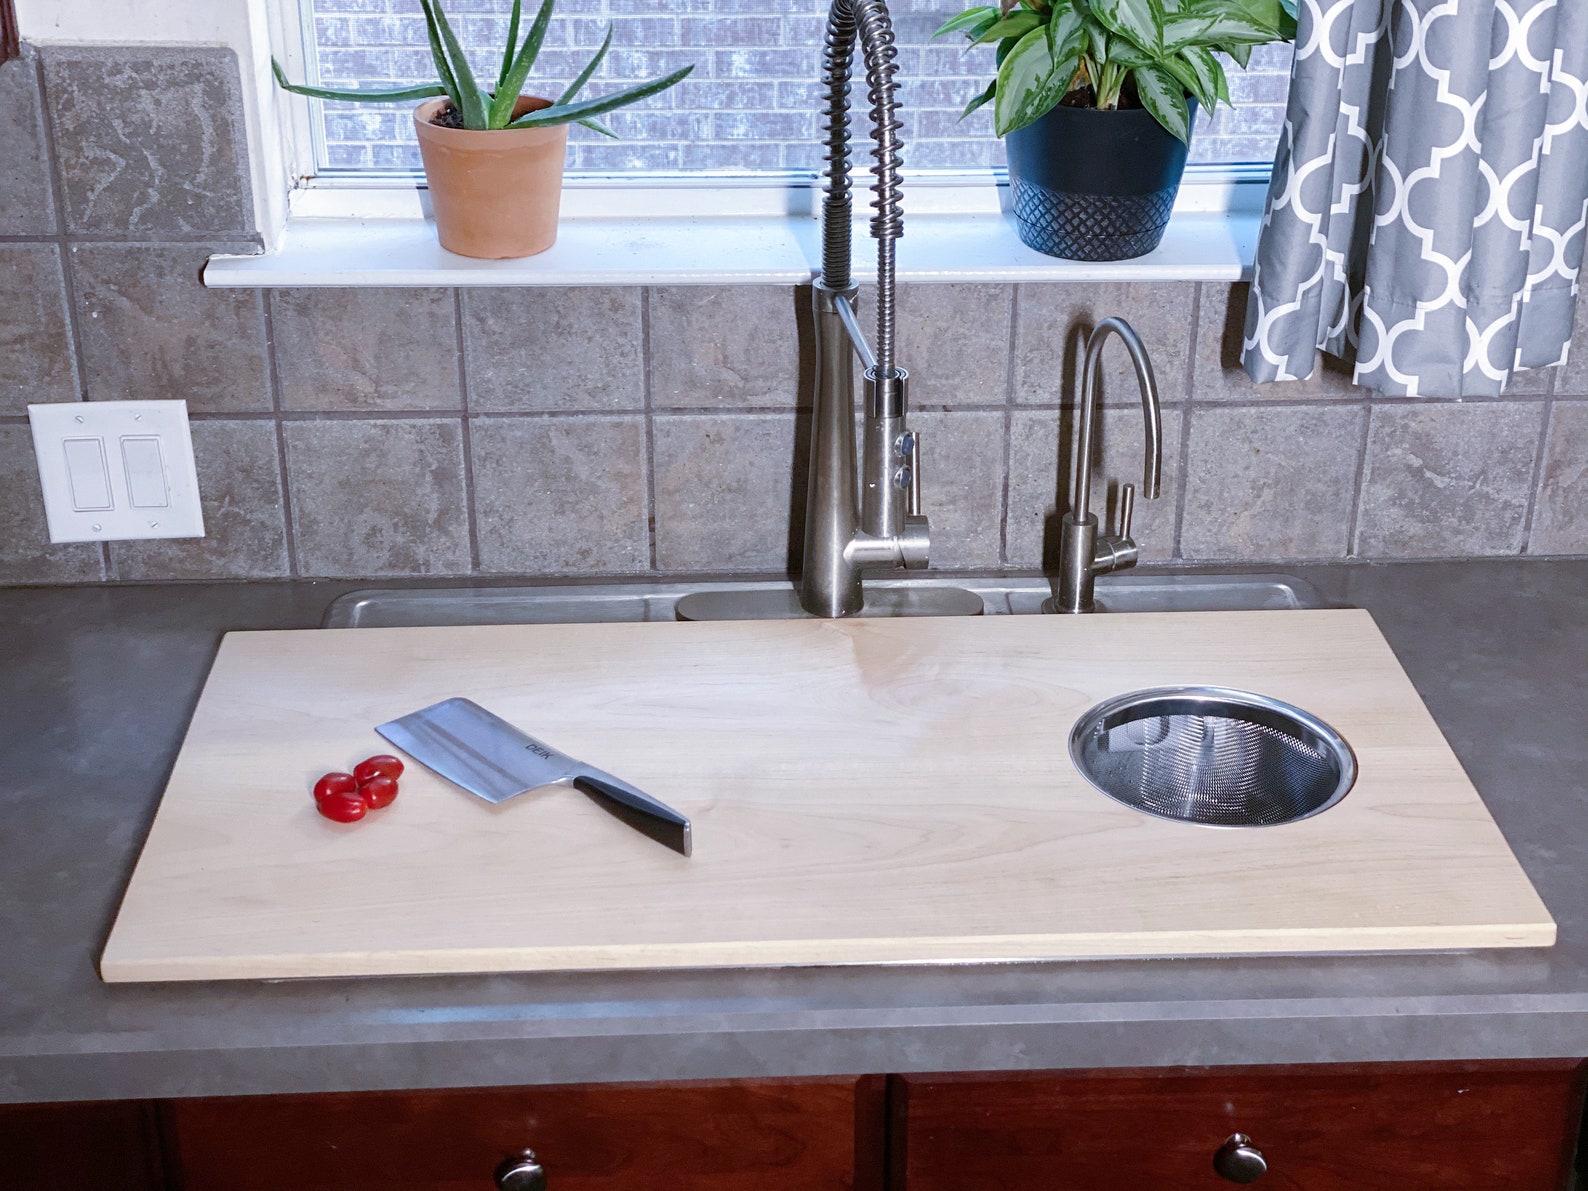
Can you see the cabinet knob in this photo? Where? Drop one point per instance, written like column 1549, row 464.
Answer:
column 521, row 1172
column 1239, row 1160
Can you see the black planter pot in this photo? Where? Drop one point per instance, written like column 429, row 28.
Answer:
column 1092, row 185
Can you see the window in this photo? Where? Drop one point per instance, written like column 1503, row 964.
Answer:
column 750, row 107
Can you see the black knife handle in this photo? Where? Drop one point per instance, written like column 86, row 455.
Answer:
column 640, row 811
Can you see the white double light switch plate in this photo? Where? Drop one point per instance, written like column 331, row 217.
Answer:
column 116, row 470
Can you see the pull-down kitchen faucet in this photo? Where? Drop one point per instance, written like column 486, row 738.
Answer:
column 1083, row 554
column 887, row 529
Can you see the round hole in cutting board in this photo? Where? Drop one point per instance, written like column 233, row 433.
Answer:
column 1217, row 757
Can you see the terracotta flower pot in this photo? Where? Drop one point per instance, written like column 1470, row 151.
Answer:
column 495, row 194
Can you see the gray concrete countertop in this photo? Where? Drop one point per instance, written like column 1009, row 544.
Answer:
column 98, row 684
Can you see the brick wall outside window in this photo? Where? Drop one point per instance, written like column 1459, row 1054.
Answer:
column 750, row 105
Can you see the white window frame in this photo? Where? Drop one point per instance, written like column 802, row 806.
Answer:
column 349, row 228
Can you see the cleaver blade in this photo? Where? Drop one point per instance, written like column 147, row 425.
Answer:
column 490, row 758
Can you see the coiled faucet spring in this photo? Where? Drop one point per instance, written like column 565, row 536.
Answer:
column 870, row 21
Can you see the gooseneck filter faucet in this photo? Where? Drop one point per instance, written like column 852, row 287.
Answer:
column 887, row 528
column 1084, row 553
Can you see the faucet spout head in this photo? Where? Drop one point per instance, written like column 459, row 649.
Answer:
column 1151, row 409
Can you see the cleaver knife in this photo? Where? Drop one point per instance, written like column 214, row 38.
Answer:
column 489, row 757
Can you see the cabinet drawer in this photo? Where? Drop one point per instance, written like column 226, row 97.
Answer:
column 714, row 1137
column 108, row 1145
column 1423, row 1127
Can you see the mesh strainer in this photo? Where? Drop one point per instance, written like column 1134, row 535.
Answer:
column 1209, row 755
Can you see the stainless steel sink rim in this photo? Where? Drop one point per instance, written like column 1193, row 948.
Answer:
column 1267, row 714
column 657, row 599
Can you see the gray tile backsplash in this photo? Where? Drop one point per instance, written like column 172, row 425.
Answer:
column 727, row 487
column 714, row 346
column 1560, row 518
column 239, row 473
column 366, row 349
column 150, row 139
column 26, row 555
column 622, row 430
column 554, row 348
column 1573, row 377
column 151, row 331
column 27, row 199
column 379, row 497
column 953, row 340
column 561, row 496
column 962, row 460
column 37, row 361
column 1445, row 480
column 1268, row 481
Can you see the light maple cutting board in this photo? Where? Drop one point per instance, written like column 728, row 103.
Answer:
column 862, row 791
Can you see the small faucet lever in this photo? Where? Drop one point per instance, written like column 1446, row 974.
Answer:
column 910, row 451
column 1083, row 553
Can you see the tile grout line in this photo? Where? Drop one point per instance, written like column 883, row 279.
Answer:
column 1535, row 486
column 61, row 239
column 470, row 508
column 1157, row 566
column 273, row 375
column 108, row 570
column 1353, row 525
column 503, row 415
column 1187, row 397
column 145, row 241
column 1183, row 464
column 1012, row 340
column 648, row 405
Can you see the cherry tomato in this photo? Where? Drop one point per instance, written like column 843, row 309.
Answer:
column 335, row 783
column 384, row 765
column 379, row 791
column 344, row 808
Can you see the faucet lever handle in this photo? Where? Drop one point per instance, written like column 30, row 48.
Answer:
column 910, row 452
column 1127, row 508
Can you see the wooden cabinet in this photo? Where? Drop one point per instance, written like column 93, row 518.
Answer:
column 1401, row 1127
column 1387, row 1127
column 108, row 1146
column 822, row 1135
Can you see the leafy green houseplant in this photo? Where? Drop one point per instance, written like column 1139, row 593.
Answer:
column 1109, row 87
column 493, row 156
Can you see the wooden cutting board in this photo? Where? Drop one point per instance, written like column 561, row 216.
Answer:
column 862, row 791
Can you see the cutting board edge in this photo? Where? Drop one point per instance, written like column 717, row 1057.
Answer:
column 1401, row 939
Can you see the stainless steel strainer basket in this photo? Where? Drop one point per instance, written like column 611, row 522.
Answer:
column 1208, row 755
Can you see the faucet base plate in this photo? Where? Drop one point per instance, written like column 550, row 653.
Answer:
column 783, row 603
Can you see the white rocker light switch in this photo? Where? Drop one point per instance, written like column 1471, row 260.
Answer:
column 116, row 470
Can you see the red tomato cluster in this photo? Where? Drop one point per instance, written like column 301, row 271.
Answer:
column 348, row 797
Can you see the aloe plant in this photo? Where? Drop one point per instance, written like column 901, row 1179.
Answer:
column 485, row 110
column 1156, row 52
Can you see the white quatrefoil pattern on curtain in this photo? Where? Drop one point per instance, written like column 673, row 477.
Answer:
column 1427, row 210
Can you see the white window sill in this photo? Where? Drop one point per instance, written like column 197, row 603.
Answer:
column 382, row 238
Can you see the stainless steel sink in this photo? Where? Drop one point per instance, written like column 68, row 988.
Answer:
column 593, row 603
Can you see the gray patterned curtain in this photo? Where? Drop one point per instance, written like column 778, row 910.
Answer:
column 1426, row 216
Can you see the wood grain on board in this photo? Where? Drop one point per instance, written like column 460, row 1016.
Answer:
column 862, row 791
